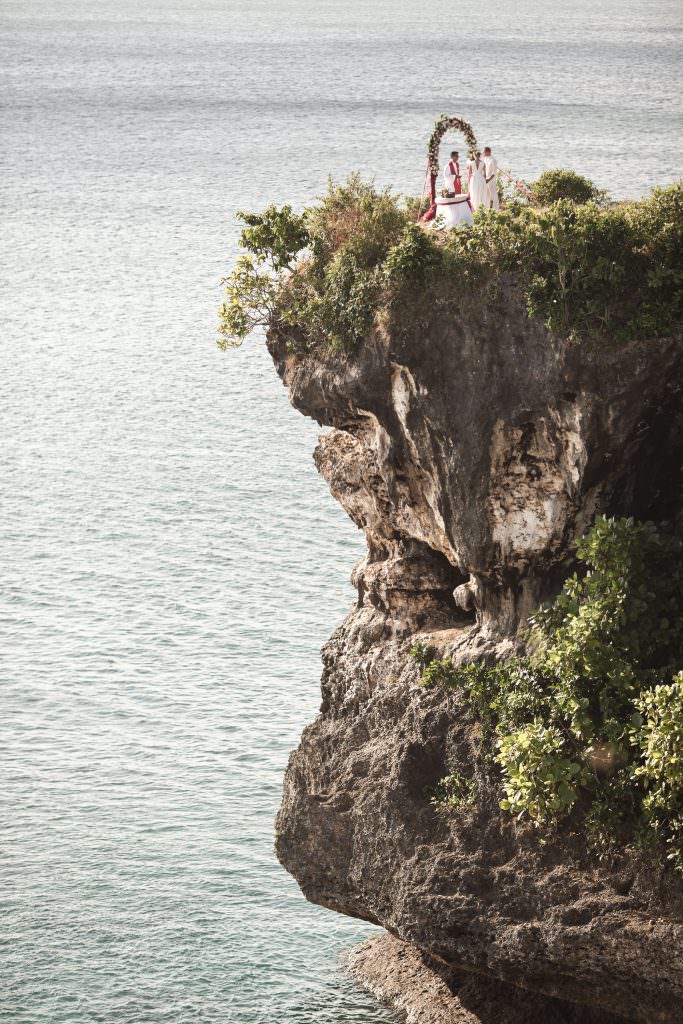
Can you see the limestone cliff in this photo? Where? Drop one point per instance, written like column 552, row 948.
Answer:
column 473, row 452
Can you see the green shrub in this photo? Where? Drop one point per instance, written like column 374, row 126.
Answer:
column 249, row 302
column 661, row 736
column 658, row 225
column 273, row 240
column 349, row 300
column 421, row 653
column 332, row 294
column 414, row 258
column 583, row 269
column 540, row 778
column 415, row 206
column 589, row 717
column 615, row 815
column 587, row 272
column 356, row 216
column 275, row 236
column 437, row 673
column 454, row 792
column 660, row 740
column 564, row 184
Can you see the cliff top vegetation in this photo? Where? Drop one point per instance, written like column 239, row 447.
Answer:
column 586, row 268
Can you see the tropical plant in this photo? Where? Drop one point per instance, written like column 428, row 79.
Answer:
column 414, row 258
column 591, row 715
column 275, row 237
column 539, row 778
column 273, row 240
column 660, row 742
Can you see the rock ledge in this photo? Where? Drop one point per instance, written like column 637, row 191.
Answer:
column 473, row 453
column 423, row 991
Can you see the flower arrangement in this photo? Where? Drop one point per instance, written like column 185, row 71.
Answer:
column 443, row 124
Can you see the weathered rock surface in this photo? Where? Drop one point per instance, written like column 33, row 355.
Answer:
column 473, row 452
column 424, row 991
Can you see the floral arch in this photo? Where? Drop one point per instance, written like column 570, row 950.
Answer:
column 441, row 126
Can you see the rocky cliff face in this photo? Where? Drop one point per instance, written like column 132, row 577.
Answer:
column 473, row 452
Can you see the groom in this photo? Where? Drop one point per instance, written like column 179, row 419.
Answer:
column 491, row 200
column 452, row 175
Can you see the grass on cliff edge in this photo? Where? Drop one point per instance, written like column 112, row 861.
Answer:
column 588, row 723
column 586, row 269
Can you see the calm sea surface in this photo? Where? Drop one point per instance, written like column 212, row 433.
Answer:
column 171, row 562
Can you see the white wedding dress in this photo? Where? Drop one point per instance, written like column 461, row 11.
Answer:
column 477, row 181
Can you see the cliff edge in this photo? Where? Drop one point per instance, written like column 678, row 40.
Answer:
column 474, row 450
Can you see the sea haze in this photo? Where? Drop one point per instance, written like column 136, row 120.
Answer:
column 171, row 561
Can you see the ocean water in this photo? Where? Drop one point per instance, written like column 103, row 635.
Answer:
column 171, row 563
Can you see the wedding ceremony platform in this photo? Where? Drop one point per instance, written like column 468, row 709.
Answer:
column 453, row 205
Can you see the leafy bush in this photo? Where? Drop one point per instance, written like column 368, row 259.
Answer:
column 658, row 226
column 539, row 778
column 275, row 236
column 660, row 739
column 588, row 716
column 273, row 240
column 249, row 302
column 414, row 257
column 583, row 266
column 453, row 792
column 661, row 736
column 585, row 271
column 563, row 184
column 437, row 672
column 349, row 300
column 615, row 815
column 356, row 217
column 333, row 293
column 421, row 653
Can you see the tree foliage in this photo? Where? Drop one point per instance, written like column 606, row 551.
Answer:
column 274, row 237
column 586, row 270
column 591, row 716
column 565, row 184
column 273, row 240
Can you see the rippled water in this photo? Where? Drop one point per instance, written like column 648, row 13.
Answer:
column 171, row 561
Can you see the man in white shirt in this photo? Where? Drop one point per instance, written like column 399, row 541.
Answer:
column 491, row 200
column 451, row 174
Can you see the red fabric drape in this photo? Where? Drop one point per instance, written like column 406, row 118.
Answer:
column 455, row 171
column 430, row 214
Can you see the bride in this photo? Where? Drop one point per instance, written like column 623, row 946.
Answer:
column 476, row 181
